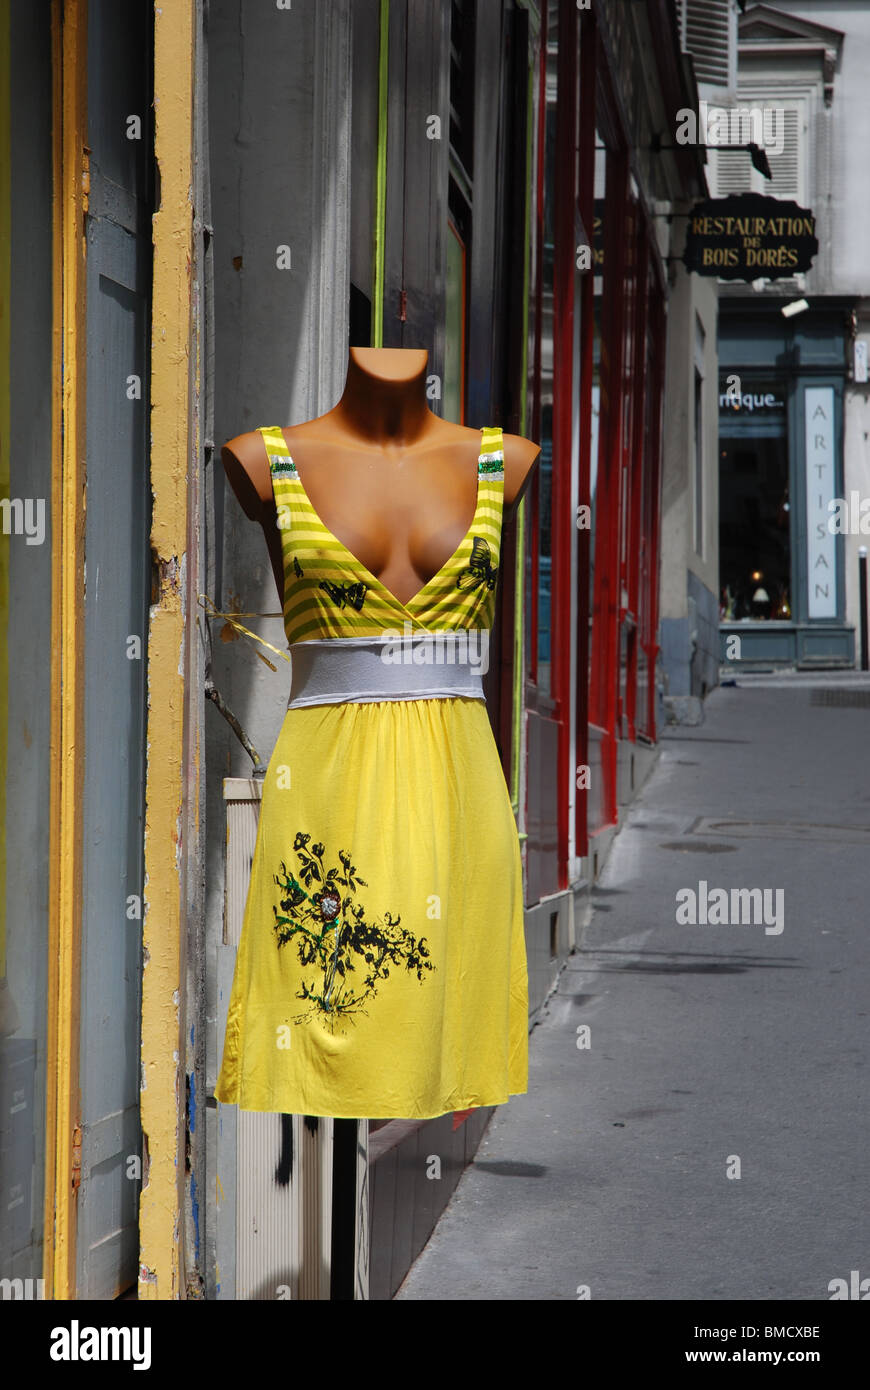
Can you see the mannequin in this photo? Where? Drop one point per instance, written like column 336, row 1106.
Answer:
column 391, row 480
column 381, row 969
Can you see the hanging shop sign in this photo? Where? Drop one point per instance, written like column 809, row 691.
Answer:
column 748, row 236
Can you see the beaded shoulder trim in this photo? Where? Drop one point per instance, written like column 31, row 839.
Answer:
column 490, row 462
column 491, row 465
column 283, row 465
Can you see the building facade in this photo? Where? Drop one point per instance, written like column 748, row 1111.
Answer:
column 222, row 198
column 690, row 497
column 792, row 435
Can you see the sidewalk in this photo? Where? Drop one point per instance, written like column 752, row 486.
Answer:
column 708, row 1043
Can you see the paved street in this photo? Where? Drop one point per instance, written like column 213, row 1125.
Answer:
column 708, row 1043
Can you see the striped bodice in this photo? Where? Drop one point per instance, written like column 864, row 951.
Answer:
column 328, row 592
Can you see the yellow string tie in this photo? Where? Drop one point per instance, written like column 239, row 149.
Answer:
column 214, row 612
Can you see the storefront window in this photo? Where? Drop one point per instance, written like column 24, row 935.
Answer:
column 609, row 443
column 597, row 345
column 540, row 596
column 545, row 529
column 631, row 467
column 754, row 505
column 647, row 614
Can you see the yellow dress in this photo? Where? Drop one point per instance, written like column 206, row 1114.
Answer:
column 381, row 970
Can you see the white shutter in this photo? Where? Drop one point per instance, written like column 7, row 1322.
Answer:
column 729, row 173
column 732, row 172
column 788, row 173
column 708, row 31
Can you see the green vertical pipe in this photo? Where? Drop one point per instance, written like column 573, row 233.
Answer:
column 377, row 334
column 520, row 569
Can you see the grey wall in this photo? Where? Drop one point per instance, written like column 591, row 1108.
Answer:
column 279, row 149
column 689, row 579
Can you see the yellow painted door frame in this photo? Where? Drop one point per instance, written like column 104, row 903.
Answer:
column 162, row 1092
column 174, row 380
column 68, row 444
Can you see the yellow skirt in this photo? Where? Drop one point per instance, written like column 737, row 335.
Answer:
column 381, row 971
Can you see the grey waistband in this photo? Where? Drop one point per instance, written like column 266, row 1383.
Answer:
column 422, row 666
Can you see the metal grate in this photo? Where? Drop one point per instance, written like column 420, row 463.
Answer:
column 841, row 699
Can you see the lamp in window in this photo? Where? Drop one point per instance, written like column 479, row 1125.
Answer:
column 760, row 603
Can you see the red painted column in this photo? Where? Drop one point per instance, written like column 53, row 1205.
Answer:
column 657, row 319
column 638, row 464
column 564, row 272
column 586, row 204
column 605, row 634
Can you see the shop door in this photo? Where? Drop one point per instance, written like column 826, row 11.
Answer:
column 27, row 534
column 116, row 622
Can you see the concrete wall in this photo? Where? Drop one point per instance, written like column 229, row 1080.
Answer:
column 689, row 579
column 279, row 146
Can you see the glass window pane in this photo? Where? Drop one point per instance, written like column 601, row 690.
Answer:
column 545, row 467
column 754, row 507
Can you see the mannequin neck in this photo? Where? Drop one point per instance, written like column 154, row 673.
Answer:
column 384, row 397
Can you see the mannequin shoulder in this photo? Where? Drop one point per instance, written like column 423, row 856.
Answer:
column 520, row 454
column 520, row 458
column 246, row 465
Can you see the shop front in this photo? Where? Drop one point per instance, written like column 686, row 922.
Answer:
column 782, row 596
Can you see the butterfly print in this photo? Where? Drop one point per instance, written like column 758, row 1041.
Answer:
column 480, row 569
column 298, row 570
column 345, row 593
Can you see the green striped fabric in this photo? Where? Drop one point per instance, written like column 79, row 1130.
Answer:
column 329, row 593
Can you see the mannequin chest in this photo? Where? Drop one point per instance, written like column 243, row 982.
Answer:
column 403, row 518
